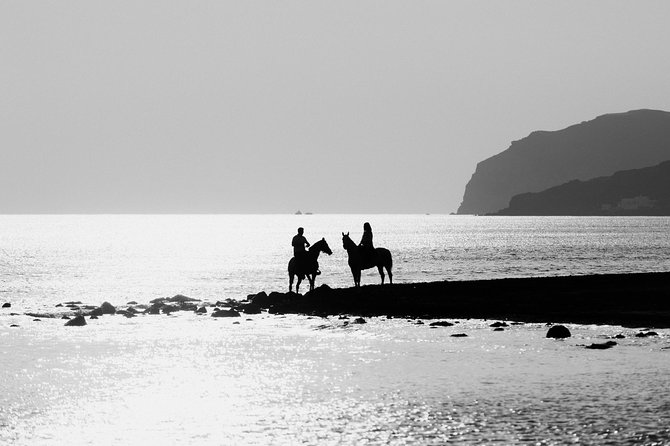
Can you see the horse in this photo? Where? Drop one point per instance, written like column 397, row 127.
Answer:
column 307, row 266
column 357, row 262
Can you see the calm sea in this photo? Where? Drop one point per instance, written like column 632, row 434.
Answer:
column 48, row 259
column 263, row 379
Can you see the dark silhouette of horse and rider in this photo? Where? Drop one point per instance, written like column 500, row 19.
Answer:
column 360, row 257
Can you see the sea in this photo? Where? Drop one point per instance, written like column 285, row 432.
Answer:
column 188, row 379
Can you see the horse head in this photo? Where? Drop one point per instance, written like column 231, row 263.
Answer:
column 322, row 246
column 347, row 243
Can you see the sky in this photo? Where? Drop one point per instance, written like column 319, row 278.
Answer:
column 260, row 106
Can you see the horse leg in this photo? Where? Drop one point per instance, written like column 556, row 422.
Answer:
column 297, row 285
column 388, row 270
column 290, row 282
column 380, row 268
column 357, row 278
column 311, row 281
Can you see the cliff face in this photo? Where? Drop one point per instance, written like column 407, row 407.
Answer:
column 600, row 147
column 632, row 192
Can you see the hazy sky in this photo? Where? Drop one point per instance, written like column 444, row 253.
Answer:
column 273, row 106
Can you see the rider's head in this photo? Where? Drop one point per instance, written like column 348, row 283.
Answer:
column 367, row 227
column 300, row 231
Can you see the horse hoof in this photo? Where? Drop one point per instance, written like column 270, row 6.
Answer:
column 318, row 272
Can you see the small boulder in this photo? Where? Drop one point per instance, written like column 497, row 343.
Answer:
column 201, row 310
column 77, row 321
column 558, row 332
column 107, row 308
column 261, row 299
column 441, row 324
column 167, row 309
column 603, row 346
column 95, row 312
column 93, row 316
column 359, row 320
column 646, row 334
column 13, row 326
column 132, row 302
column 225, row 313
column 498, row 329
column 459, row 335
column 6, row 305
column 499, row 324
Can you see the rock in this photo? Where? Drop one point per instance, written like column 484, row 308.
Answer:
column 459, row 335
column 95, row 312
column 498, row 329
column 167, row 309
column 179, row 298
column 440, row 324
column 646, row 334
column 93, row 316
column 132, row 310
column 419, row 322
column 201, row 310
column 37, row 320
column 6, row 305
column 499, row 324
column 129, row 315
column 59, row 305
column 619, row 336
column 107, row 308
column 558, row 332
column 261, row 299
column 360, row 320
column 73, row 303
column 13, row 326
column 603, row 346
column 66, row 317
column 225, row 313
column 236, row 323
column 250, row 308
column 154, row 309
column 77, row 321
column 40, row 315
column 132, row 302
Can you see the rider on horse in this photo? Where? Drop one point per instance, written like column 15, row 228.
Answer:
column 299, row 243
column 366, row 248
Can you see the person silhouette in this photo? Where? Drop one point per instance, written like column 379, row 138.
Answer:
column 366, row 246
column 299, row 243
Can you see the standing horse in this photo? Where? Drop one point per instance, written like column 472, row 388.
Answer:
column 357, row 262
column 307, row 266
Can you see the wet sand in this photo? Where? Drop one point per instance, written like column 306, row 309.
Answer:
column 631, row 300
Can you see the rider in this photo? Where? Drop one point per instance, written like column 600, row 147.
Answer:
column 367, row 249
column 299, row 243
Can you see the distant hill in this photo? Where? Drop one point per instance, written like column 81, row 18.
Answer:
column 630, row 192
column 600, row 147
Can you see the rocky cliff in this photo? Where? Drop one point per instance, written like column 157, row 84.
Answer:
column 632, row 192
column 600, row 147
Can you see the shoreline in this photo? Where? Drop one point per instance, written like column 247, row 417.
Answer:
column 631, row 300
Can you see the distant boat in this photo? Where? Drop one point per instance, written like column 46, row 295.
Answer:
column 298, row 212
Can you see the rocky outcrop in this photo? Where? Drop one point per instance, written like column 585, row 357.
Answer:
column 543, row 159
column 643, row 191
column 558, row 332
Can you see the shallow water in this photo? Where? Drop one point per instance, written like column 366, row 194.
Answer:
column 187, row 379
